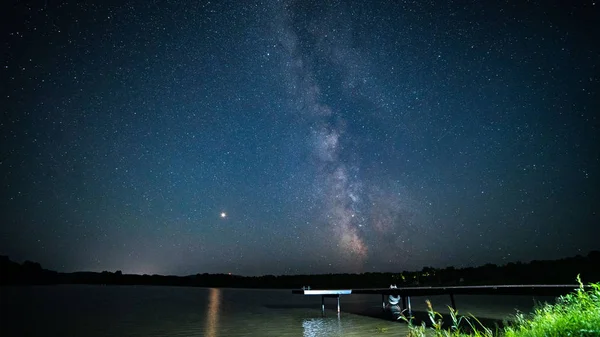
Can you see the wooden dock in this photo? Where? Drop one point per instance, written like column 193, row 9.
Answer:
column 407, row 292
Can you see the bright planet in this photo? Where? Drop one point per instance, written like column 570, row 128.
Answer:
column 348, row 136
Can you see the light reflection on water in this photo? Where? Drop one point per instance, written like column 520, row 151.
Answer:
column 212, row 314
column 71, row 310
column 316, row 327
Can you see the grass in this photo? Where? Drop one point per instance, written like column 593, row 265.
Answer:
column 576, row 315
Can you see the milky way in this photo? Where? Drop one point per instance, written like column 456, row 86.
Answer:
column 286, row 137
column 349, row 211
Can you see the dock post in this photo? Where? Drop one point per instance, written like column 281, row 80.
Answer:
column 338, row 298
column 383, row 301
column 323, row 305
column 404, row 302
column 452, row 301
column 409, row 308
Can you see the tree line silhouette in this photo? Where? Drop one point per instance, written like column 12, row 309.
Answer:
column 562, row 271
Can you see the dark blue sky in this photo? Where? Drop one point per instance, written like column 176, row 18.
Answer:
column 343, row 136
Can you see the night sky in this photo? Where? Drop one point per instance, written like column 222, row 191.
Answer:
column 287, row 137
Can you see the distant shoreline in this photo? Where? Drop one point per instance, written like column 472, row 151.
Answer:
column 561, row 271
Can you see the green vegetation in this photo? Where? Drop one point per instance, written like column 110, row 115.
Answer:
column 382, row 329
column 576, row 314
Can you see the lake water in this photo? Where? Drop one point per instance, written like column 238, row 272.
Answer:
column 80, row 310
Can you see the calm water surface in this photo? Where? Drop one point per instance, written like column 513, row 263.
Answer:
column 78, row 310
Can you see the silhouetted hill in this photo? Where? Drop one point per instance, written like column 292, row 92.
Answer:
column 26, row 273
column 535, row 272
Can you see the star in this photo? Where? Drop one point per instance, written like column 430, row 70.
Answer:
column 320, row 132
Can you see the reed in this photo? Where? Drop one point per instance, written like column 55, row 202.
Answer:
column 576, row 314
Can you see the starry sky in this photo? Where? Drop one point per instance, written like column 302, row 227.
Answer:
column 286, row 137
